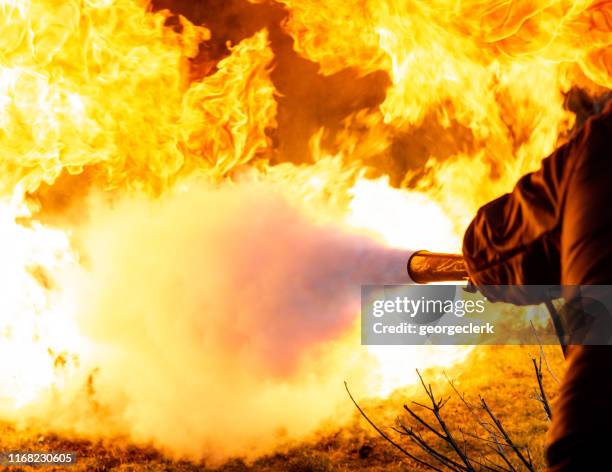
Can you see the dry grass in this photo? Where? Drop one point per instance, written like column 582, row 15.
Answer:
column 504, row 376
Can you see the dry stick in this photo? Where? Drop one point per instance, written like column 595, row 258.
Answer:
column 438, row 434
column 465, row 451
column 424, row 423
column 479, row 438
column 494, row 467
column 443, row 437
column 387, row 438
column 475, row 436
column 507, row 438
column 499, row 449
column 419, row 441
column 503, row 457
column 529, row 456
column 431, row 451
column 543, row 354
column 437, row 405
column 542, row 397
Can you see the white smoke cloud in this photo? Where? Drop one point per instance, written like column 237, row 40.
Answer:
column 224, row 319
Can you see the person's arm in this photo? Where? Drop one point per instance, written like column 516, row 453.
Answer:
column 515, row 239
column 555, row 227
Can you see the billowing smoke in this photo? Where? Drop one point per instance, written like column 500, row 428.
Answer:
column 224, row 318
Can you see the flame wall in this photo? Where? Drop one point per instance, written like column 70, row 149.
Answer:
column 192, row 192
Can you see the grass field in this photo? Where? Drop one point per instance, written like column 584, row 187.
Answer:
column 504, row 376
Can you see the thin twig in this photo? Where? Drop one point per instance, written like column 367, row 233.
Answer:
column 499, row 451
column 419, row 441
column 387, row 438
column 493, row 467
column 425, row 423
column 507, row 438
column 542, row 397
column 479, row 438
column 495, row 437
column 543, row 354
column 436, row 406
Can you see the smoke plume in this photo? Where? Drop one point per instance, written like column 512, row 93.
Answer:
column 224, row 319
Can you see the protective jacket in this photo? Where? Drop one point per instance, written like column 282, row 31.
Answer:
column 555, row 227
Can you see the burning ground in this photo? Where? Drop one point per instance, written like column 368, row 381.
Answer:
column 502, row 375
column 192, row 193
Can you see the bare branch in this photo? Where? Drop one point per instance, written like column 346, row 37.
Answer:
column 543, row 354
column 425, row 423
column 488, row 427
column 387, row 438
column 419, row 441
column 499, row 451
column 436, row 406
column 527, row 461
column 542, row 396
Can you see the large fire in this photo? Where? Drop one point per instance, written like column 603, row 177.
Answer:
column 173, row 272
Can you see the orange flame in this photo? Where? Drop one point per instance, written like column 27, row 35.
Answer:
column 104, row 91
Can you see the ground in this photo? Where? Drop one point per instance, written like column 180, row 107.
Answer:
column 504, row 376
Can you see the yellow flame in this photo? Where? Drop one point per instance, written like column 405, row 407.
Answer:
column 103, row 90
column 34, row 332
